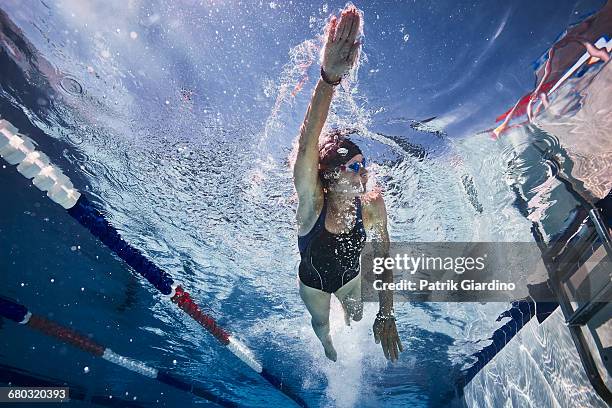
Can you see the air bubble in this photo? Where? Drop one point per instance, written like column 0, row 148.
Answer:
column 71, row 86
column 75, row 139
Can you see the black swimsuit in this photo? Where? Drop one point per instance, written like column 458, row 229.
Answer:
column 331, row 260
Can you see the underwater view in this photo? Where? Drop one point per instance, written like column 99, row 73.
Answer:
column 207, row 202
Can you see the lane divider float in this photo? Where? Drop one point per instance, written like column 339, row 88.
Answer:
column 19, row 150
column 520, row 314
column 20, row 314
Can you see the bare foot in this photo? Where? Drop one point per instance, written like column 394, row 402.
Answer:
column 330, row 351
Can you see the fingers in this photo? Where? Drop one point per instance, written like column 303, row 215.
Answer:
column 394, row 349
column 350, row 22
column 353, row 53
column 392, row 356
column 376, row 333
column 331, row 29
column 385, row 343
column 399, row 343
column 393, row 343
column 386, row 334
column 354, row 27
column 341, row 31
column 348, row 26
column 352, row 47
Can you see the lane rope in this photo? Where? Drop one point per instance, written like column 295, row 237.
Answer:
column 21, row 315
column 19, row 150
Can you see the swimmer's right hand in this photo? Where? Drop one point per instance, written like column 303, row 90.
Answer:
column 341, row 49
column 385, row 332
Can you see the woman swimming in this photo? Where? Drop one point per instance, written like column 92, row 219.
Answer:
column 333, row 208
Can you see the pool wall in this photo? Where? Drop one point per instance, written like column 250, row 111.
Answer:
column 538, row 368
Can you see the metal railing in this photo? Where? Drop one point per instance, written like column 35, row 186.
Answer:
column 567, row 256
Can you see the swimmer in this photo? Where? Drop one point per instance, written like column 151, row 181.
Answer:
column 334, row 209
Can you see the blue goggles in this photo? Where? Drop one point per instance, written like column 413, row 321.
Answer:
column 354, row 167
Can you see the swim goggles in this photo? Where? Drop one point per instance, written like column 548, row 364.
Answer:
column 354, row 167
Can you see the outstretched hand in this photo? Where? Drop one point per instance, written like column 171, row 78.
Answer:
column 341, row 49
column 385, row 332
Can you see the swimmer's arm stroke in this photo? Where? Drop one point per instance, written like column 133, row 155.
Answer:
column 385, row 330
column 306, row 168
column 339, row 55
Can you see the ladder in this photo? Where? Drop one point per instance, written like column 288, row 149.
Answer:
column 581, row 251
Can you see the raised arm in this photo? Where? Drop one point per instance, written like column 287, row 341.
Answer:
column 339, row 55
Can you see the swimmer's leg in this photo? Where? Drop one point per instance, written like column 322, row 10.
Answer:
column 349, row 296
column 317, row 303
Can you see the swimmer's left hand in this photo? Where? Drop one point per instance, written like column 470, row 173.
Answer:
column 385, row 332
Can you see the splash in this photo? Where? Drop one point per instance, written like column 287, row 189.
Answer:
column 356, row 350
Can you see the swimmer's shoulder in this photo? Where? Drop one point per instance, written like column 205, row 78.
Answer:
column 309, row 210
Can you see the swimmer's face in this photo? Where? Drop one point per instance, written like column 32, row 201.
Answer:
column 347, row 181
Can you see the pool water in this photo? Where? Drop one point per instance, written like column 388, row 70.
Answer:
column 179, row 121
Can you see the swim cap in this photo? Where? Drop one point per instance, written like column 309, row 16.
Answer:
column 337, row 152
